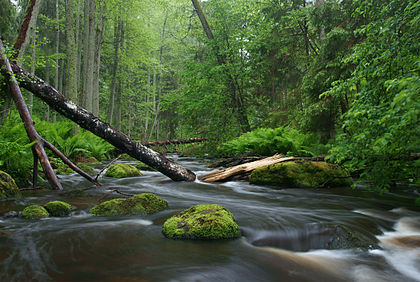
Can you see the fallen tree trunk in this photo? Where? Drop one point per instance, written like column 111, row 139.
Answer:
column 88, row 121
column 224, row 174
column 176, row 141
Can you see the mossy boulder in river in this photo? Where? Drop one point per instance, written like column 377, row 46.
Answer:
column 202, row 222
column 122, row 170
column 302, row 174
column 145, row 203
column 58, row 208
column 34, row 212
column 8, row 187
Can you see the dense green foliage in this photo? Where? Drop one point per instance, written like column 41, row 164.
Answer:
column 285, row 76
column 382, row 124
column 15, row 149
column 281, row 140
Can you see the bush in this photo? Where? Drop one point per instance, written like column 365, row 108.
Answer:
column 268, row 141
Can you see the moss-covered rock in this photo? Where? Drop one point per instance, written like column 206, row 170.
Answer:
column 150, row 202
column 86, row 168
column 63, row 169
column 34, row 212
column 58, row 208
column 302, row 174
column 146, row 203
column 144, row 167
column 202, row 222
column 122, row 170
column 8, row 187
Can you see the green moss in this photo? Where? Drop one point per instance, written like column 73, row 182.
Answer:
column 146, row 203
column 302, row 174
column 151, row 202
column 86, row 168
column 108, row 208
column 122, row 170
column 202, row 222
column 417, row 201
column 8, row 187
column 144, row 167
column 63, row 169
column 58, row 208
column 34, row 211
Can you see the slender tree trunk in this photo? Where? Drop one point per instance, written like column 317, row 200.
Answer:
column 57, row 50
column 26, row 30
column 91, row 57
column 233, row 85
column 117, row 31
column 97, row 63
column 79, row 32
column 47, row 80
column 71, row 56
column 83, row 91
column 30, row 95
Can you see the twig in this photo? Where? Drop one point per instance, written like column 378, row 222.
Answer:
column 102, row 170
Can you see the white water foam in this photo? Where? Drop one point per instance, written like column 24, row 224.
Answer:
column 401, row 248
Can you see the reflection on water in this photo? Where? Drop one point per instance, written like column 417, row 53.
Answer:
column 288, row 235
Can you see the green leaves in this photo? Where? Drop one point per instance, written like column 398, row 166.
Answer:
column 382, row 123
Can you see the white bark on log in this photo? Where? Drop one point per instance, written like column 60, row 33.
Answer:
column 224, row 174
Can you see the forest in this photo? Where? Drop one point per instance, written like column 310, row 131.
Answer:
column 289, row 130
column 324, row 77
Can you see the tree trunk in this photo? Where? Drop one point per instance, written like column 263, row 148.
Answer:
column 117, row 31
column 88, row 121
column 57, row 50
column 71, row 79
column 47, row 80
column 233, row 85
column 97, row 63
column 31, row 96
column 88, row 91
column 28, row 25
column 82, row 100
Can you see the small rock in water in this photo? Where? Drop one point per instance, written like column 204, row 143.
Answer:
column 34, row 212
column 145, row 203
column 122, row 170
column 58, row 208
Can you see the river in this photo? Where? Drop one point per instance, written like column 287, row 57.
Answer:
column 287, row 235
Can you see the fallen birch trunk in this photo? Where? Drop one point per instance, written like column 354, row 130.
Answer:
column 88, row 121
column 224, row 174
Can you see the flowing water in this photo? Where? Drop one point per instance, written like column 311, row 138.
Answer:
column 287, row 235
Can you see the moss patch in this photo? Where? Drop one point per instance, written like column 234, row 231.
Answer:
column 8, row 187
column 58, row 208
column 146, row 203
column 86, row 168
column 202, row 222
column 63, row 169
column 34, row 212
column 302, row 174
column 122, row 170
